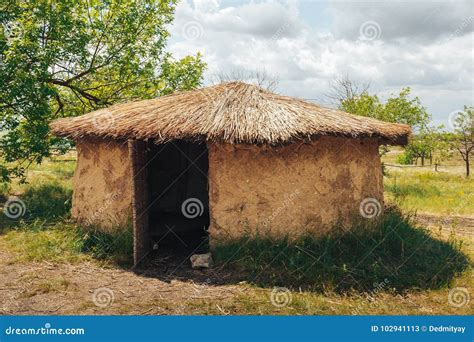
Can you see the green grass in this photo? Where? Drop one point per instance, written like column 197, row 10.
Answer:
column 64, row 241
column 50, row 200
column 432, row 192
column 57, row 170
column 44, row 232
column 36, row 241
column 116, row 246
column 393, row 252
column 45, row 202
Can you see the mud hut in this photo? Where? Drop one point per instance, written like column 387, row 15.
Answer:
column 225, row 160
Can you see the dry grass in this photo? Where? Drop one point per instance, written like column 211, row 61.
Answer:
column 415, row 188
column 233, row 112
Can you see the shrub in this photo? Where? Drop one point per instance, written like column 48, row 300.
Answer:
column 405, row 158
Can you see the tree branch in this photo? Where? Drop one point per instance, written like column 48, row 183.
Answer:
column 83, row 93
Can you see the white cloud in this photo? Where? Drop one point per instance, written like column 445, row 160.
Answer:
column 272, row 35
column 413, row 20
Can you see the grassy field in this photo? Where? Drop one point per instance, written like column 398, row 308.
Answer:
column 422, row 189
column 393, row 266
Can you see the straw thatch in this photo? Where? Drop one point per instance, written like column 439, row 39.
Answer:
column 233, row 112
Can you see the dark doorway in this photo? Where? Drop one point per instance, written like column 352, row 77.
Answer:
column 179, row 200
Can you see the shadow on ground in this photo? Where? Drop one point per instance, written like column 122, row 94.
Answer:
column 392, row 253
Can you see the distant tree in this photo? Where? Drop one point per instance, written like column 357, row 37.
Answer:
column 403, row 109
column 353, row 97
column 462, row 140
column 442, row 150
column 65, row 58
column 364, row 104
column 400, row 108
column 342, row 89
column 428, row 144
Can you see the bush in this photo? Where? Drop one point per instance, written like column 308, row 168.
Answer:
column 405, row 159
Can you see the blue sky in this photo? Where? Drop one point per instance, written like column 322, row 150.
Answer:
column 306, row 45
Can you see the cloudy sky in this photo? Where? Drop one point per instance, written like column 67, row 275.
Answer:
column 308, row 44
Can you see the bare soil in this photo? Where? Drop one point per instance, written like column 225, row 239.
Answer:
column 46, row 288
column 461, row 225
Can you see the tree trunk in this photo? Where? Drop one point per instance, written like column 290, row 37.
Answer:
column 422, row 160
column 467, row 166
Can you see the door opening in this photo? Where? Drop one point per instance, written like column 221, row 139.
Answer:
column 179, row 200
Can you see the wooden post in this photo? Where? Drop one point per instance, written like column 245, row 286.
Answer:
column 140, row 199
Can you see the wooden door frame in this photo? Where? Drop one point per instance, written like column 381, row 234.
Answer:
column 140, row 197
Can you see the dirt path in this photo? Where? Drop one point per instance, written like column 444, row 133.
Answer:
column 461, row 225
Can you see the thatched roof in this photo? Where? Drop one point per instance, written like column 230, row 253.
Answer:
column 233, row 112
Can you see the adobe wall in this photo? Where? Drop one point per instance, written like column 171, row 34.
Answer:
column 102, row 194
column 291, row 189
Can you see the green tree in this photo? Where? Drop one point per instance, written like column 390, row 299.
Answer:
column 398, row 108
column 363, row 104
column 68, row 57
column 462, row 140
column 428, row 144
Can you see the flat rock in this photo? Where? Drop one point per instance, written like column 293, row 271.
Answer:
column 201, row 260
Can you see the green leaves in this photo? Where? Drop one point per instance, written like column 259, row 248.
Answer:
column 66, row 58
column 398, row 108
